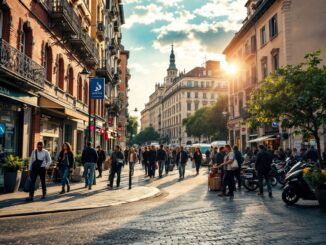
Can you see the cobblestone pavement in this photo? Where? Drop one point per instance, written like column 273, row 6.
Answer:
column 186, row 213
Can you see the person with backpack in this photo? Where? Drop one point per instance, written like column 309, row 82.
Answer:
column 89, row 159
column 118, row 161
column 239, row 158
column 39, row 161
column 100, row 160
column 66, row 164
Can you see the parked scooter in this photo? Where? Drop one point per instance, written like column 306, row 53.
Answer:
column 280, row 169
column 250, row 179
column 296, row 186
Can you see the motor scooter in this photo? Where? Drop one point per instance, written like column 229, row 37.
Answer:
column 296, row 186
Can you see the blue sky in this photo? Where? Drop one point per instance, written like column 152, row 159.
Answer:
column 199, row 29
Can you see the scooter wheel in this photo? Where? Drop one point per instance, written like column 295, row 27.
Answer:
column 250, row 184
column 274, row 181
column 289, row 195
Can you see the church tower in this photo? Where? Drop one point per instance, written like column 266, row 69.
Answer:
column 172, row 71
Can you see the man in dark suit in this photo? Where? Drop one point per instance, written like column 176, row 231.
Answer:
column 263, row 168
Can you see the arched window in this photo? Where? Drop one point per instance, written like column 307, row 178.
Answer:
column 61, row 73
column 26, row 40
column 70, row 87
column 80, row 89
column 47, row 62
column 86, row 93
column 5, row 18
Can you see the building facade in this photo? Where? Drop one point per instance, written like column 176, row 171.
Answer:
column 181, row 95
column 274, row 34
column 45, row 45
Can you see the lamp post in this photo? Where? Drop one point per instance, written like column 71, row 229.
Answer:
column 85, row 73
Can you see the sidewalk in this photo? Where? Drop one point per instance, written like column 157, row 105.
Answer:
column 78, row 198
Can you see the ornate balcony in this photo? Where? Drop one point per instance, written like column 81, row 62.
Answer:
column 85, row 47
column 104, row 71
column 63, row 16
column 100, row 31
column 20, row 68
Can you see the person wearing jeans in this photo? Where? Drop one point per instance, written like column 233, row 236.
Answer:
column 152, row 159
column 89, row 159
column 263, row 167
column 39, row 161
column 182, row 158
column 161, row 158
column 118, row 161
column 132, row 159
column 66, row 164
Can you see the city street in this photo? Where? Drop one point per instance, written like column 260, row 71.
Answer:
column 184, row 213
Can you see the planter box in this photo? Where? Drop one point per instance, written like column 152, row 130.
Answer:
column 12, row 181
column 77, row 174
column 321, row 197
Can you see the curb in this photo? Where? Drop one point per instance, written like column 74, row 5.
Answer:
column 157, row 194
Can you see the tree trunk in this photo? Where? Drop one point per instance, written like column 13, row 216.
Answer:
column 317, row 138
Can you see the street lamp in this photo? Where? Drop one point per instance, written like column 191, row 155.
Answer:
column 85, row 73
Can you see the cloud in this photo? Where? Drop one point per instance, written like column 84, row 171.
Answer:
column 169, row 2
column 130, row 1
column 147, row 15
column 137, row 68
column 136, row 49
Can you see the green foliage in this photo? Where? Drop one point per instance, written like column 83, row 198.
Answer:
column 13, row 163
column 315, row 176
column 132, row 127
column 78, row 161
column 208, row 121
column 146, row 136
column 295, row 95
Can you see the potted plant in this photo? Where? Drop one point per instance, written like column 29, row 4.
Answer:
column 12, row 174
column 316, row 177
column 77, row 174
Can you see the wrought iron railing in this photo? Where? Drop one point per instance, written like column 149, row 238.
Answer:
column 20, row 64
column 62, row 7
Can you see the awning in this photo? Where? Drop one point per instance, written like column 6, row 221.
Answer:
column 263, row 138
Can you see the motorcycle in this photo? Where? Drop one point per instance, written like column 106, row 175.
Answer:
column 296, row 186
column 250, row 179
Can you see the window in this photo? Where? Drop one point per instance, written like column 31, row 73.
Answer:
column 263, row 36
column 275, row 59
column 196, row 106
column 204, row 96
column 196, row 95
column 212, row 96
column 86, row 92
column 189, row 106
column 207, row 84
column 188, row 95
column 273, row 26
column 60, row 83
column 196, row 84
column 47, row 62
column 189, row 84
column 264, row 68
column 70, row 87
column 202, row 84
column 80, row 89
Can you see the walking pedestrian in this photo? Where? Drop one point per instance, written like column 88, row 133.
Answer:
column 263, row 168
column 152, row 160
column 168, row 160
column 39, row 161
column 132, row 159
column 208, row 155
column 239, row 158
column 198, row 157
column 126, row 154
column 160, row 158
column 66, row 164
column 182, row 159
column 101, row 159
column 146, row 160
column 219, row 159
column 228, row 180
column 118, row 161
column 89, row 159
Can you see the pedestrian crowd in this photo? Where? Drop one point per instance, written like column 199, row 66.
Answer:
column 162, row 159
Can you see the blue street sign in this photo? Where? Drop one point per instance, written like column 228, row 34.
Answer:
column 274, row 125
column 2, row 129
column 97, row 88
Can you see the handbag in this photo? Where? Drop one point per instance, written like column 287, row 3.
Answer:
column 27, row 185
column 234, row 164
column 120, row 161
column 36, row 165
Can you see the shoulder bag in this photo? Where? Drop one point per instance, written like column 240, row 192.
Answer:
column 36, row 165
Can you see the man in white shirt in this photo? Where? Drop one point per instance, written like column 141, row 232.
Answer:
column 39, row 161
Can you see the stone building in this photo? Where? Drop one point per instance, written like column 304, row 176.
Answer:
column 275, row 33
column 181, row 95
column 45, row 45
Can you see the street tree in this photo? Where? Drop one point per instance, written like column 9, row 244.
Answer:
column 132, row 127
column 294, row 95
column 145, row 136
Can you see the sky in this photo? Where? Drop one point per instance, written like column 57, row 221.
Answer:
column 199, row 29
